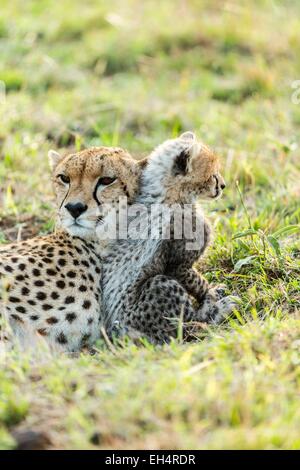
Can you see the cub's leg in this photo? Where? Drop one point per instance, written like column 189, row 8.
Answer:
column 215, row 308
column 156, row 309
column 194, row 283
column 181, row 261
column 214, row 305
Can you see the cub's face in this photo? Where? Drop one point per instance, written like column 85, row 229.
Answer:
column 183, row 170
column 203, row 178
column 90, row 182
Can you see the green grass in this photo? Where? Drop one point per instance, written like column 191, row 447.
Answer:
column 134, row 73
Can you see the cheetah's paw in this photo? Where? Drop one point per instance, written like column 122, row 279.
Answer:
column 224, row 308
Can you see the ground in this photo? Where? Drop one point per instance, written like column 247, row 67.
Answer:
column 134, row 73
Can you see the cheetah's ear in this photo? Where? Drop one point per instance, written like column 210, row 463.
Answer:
column 189, row 136
column 180, row 166
column 182, row 161
column 54, row 158
column 143, row 162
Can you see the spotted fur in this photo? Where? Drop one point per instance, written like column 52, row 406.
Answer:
column 50, row 286
column 149, row 285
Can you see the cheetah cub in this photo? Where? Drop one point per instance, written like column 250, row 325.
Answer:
column 50, row 286
column 149, row 282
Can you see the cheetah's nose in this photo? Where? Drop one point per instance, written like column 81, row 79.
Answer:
column 223, row 186
column 76, row 209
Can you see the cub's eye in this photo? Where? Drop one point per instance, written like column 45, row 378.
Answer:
column 64, row 178
column 106, row 180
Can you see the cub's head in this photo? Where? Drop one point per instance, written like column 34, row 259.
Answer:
column 182, row 170
column 87, row 183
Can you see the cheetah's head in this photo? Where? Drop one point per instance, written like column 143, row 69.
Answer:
column 182, row 170
column 87, row 183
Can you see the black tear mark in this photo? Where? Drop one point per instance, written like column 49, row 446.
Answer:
column 95, row 193
column 64, row 198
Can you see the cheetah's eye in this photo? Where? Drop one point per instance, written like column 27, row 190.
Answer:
column 106, row 180
column 65, row 179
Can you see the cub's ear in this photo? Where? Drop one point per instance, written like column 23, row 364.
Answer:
column 180, row 166
column 188, row 136
column 54, row 158
column 183, row 161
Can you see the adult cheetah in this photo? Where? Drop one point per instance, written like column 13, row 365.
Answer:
column 149, row 283
column 50, row 286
